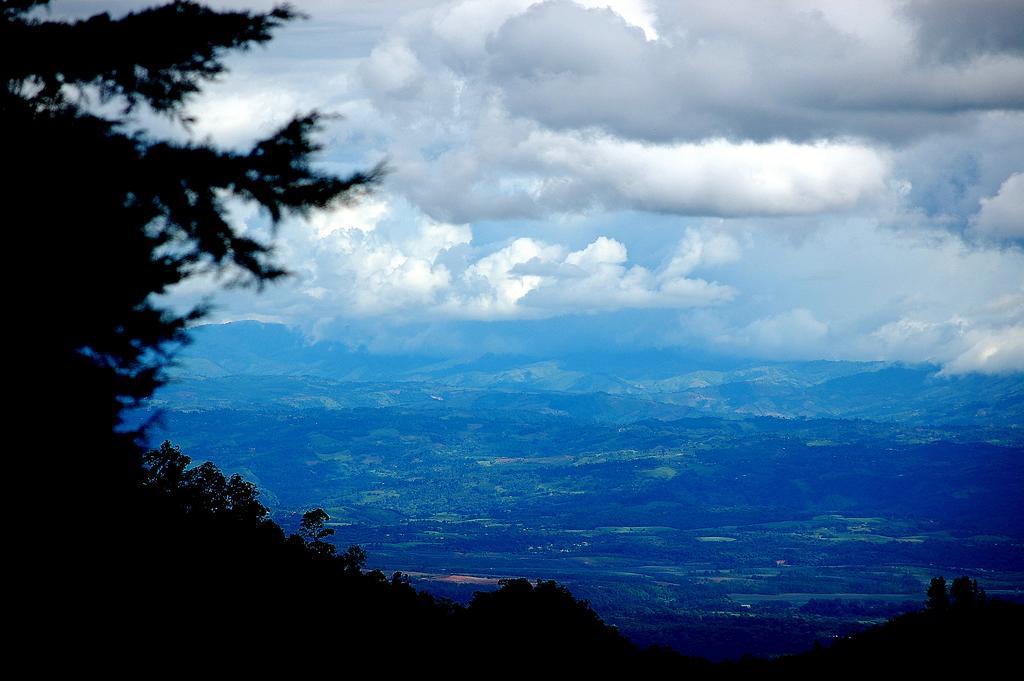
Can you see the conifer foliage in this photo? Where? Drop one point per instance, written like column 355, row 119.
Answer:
column 105, row 217
column 110, row 216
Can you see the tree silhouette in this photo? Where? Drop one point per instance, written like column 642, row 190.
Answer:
column 965, row 593
column 962, row 594
column 938, row 594
column 105, row 218
column 314, row 531
column 354, row 559
column 111, row 217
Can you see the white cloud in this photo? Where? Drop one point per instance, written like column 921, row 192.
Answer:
column 988, row 339
column 1002, row 216
column 391, row 67
column 520, row 109
column 379, row 260
column 603, row 281
column 369, row 272
column 494, row 287
column 495, row 109
column 991, row 352
column 914, row 339
column 793, row 334
column 854, row 290
column 552, row 158
column 533, row 279
column 362, row 215
column 716, row 177
column 639, row 13
column 795, row 329
column 755, row 70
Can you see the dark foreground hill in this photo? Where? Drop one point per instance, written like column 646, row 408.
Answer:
column 975, row 640
column 196, row 578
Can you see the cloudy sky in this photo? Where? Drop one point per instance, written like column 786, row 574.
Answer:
column 780, row 179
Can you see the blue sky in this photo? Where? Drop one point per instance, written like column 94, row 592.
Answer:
column 781, row 179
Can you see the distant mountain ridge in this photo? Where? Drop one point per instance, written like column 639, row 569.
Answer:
column 227, row 358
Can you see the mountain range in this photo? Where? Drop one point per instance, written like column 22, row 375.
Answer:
column 261, row 363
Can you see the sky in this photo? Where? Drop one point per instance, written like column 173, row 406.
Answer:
column 773, row 179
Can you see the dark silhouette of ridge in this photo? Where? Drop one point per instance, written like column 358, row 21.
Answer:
column 212, row 564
